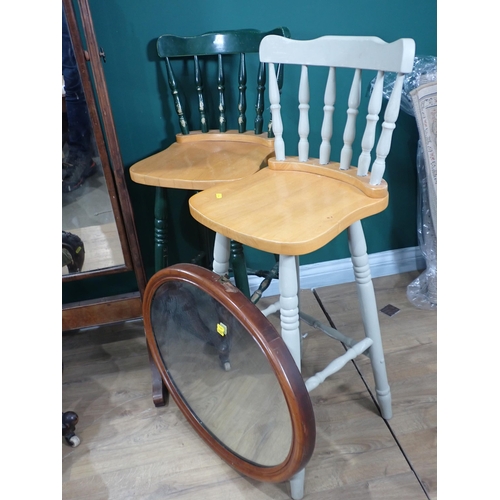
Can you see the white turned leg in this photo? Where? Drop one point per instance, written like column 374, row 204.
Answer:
column 290, row 333
column 297, row 485
column 369, row 314
column 289, row 305
column 222, row 247
column 297, row 271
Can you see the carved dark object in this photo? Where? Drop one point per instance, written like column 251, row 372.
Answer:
column 69, row 421
column 185, row 308
column 73, row 252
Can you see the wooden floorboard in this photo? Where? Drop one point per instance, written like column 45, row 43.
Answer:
column 409, row 338
column 130, row 449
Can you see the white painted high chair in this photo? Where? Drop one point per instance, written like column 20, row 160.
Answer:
column 304, row 202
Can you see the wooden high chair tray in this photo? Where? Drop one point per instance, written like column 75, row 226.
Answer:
column 229, row 372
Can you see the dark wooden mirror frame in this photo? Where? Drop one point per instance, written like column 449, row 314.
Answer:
column 128, row 306
column 274, row 349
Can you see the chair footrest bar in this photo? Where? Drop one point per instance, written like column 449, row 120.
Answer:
column 271, row 309
column 338, row 363
column 331, row 332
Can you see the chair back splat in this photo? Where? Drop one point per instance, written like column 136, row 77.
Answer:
column 358, row 53
column 220, row 44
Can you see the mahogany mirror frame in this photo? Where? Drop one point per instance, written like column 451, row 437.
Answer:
column 274, row 349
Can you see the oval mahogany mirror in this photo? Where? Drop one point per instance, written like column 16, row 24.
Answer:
column 229, row 372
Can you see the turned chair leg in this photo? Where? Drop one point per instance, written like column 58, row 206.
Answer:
column 297, row 485
column 160, row 392
column 369, row 314
column 222, row 248
column 290, row 333
column 160, row 229
column 239, row 266
column 289, row 305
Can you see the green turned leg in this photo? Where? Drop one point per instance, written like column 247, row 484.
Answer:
column 238, row 264
column 160, row 393
column 161, row 253
column 206, row 256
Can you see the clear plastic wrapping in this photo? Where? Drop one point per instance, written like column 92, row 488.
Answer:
column 424, row 71
column 422, row 292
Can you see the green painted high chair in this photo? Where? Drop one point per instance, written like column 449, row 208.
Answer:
column 211, row 150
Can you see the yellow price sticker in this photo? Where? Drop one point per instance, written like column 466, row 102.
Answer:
column 218, row 195
column 221, row 329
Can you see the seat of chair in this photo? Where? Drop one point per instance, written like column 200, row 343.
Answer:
column 290, row 208
column 199, row 161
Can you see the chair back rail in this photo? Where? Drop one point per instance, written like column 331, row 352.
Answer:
column 220, row 44
column 354, row 52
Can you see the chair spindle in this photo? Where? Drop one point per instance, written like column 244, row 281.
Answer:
column 327, row 126
column 242, row 98
column 199, row 90
column 279, row 77
column 304, row 96
column 372, row 117
column 221, row 88
column 384, row 142
column 350, row 126
column 259, row 105
column 274, row 98
column 175, row 94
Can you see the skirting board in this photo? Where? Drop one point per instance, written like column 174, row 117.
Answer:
column 335, row 272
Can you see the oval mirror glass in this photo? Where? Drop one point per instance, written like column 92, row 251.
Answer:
column 229, row 371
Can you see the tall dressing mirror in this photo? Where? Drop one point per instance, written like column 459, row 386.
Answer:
column 98, row 230
column 91, row 223
column 90, row 231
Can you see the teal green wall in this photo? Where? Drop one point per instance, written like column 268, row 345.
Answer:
column 127, row 30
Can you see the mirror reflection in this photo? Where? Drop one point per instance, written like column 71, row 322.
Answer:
column 90, row 236
column 221, row 373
